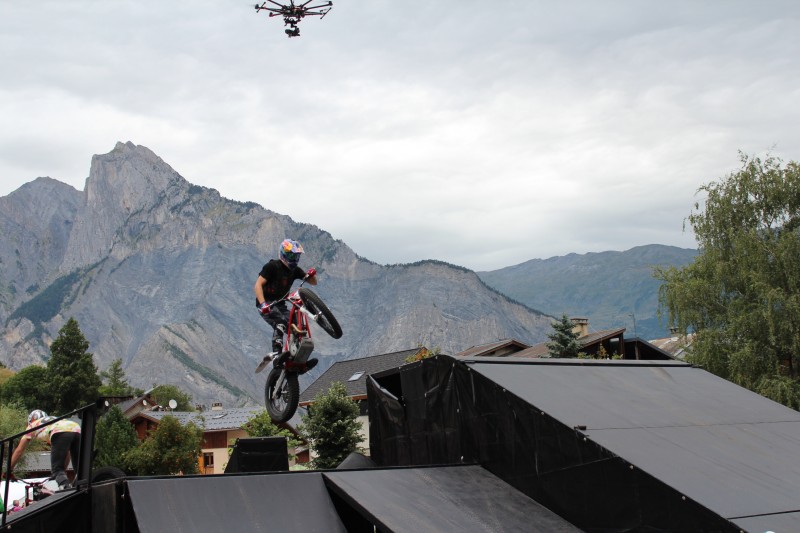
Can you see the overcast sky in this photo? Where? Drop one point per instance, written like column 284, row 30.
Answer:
column 483, row 134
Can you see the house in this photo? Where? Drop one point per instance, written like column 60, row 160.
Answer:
column 221, row 428
column 676, row 345
column 502, row 348
column 132, row 406
column 353, row 374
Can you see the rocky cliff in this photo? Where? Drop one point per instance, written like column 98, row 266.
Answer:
column 159, row 272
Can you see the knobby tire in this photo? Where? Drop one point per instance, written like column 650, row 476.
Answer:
column 283, row 408
column 325, row 320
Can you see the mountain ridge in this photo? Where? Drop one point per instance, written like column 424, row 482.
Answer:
column 612, row 288
column 159, row 272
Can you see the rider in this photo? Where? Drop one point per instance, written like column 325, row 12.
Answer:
column 273, row 284
column 64, row 437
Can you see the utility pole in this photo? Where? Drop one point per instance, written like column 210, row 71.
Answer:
column 636, row 335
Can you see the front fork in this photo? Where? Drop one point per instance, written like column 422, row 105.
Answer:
column 276, row 391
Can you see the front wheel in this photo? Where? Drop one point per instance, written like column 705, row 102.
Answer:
column 323, row 315
column 282, row 406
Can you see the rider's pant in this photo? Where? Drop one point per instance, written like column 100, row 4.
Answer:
column 61, row 444
column 278, row 314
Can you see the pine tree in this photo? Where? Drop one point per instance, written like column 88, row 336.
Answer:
column 115, row 383
column 114, row 439
column 564, row 340
column 332, row 427
column 72, row 378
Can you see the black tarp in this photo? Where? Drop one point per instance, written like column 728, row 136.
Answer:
column 442, row 499
column 717, row 443
column 63, row 512
column 619, row 445
column 234, row 503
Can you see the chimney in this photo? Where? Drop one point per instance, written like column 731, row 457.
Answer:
column 580, row 326
column 216, row 406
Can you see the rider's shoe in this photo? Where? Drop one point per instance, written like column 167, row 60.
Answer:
column 264, row 362
column 308, row 365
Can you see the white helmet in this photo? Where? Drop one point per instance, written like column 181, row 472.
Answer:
column 36, row 414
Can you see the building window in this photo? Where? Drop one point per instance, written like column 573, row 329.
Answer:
column 208, row 462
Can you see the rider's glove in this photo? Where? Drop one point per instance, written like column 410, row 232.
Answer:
column 264, row 308
column 311, row 272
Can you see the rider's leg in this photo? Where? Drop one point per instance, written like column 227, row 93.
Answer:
column 75, row 452
column 59, row 446
column 277, row 337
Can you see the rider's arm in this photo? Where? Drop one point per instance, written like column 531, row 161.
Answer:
column 259, row 289
column 19, row 450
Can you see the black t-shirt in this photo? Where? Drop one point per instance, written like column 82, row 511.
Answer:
column 279, row 279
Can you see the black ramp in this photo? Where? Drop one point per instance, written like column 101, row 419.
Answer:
column 446, row 499
column 729, row 449
column 252, row 504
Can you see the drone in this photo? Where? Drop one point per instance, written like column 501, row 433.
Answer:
column 292, row 13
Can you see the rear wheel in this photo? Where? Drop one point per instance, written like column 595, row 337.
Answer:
column 282, row 407
column 325, row 318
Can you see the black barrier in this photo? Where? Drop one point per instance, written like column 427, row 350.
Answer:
column 259, row 454
column 444, row 410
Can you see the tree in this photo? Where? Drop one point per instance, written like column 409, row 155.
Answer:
column 261, row 425
column 332, row 427
column 72, row 378
column 171, row 449
column 27, row 388
column 115, row 437
column 741, row 295
column 115, row 383
column 13, row 420
column 162, row 394
column 564, row 340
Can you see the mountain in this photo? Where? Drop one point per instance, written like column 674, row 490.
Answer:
column 159, row 273
column 611, row 289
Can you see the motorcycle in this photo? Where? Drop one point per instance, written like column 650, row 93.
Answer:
column 282, row 389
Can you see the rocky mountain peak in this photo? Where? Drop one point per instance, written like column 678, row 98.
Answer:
column 159, row 273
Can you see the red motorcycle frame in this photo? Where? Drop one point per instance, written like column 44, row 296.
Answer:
column 282, row 390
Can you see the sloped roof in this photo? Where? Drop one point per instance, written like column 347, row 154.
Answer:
column 676, row 346
column 345, row 371
column 223, row 420
column 540, row 350
column 508, row 345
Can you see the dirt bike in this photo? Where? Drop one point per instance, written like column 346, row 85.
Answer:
column 282, row 390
